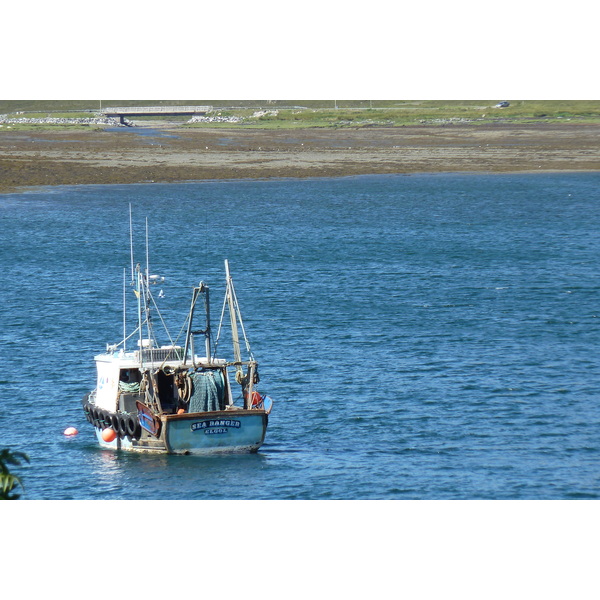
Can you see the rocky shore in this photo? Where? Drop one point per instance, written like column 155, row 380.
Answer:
column 98, row 120
column 175, row 153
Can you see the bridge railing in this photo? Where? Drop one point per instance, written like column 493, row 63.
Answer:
column 147, row 110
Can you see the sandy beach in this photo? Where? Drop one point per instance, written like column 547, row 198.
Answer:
column 171, row 153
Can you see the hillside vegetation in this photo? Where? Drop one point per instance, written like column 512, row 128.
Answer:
column 330, row 113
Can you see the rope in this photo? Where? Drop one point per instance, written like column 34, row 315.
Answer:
column 129, row 388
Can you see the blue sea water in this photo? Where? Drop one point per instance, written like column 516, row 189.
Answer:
column 423, row 336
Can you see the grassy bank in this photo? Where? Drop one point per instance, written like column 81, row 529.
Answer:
column 328, row 113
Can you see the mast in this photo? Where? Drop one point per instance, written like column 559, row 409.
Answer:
column 138, row 292
column 237, row 354
column 201, row 289
column 147, row 293
column 246, row 381
column 207, row 330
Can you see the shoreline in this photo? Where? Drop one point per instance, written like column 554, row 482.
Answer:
column 33, row 188
column 168, row 154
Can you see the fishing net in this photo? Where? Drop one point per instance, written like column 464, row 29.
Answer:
column 208, row 392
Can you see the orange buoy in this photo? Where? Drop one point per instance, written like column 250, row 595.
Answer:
column 70, row 431
column 108, row 434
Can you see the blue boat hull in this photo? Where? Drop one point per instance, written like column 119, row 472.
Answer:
column 213, row 432
column 200, row 433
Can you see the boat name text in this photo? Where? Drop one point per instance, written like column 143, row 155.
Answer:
column 215, row 426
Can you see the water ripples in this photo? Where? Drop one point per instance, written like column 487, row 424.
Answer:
column 423, row 337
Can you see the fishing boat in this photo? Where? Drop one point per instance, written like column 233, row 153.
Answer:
column 166, row 398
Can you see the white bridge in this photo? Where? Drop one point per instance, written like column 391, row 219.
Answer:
column 145, row 111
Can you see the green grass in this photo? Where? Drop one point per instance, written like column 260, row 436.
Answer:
column 332, row 113
column 428, row 112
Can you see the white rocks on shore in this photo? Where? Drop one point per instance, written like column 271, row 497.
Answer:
column 108, row 121
column 218, row 118
column 214, row 119
column 265, row 113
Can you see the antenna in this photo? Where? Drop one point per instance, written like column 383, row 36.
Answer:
column 131, row 241
column 124, row 312
column 147, row 256
column 206, row 233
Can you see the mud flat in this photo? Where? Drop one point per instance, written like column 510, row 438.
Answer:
column 171, row 153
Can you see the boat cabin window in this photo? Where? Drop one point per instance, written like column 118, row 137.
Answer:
column 130, row 376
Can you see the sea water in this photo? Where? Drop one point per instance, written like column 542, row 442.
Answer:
column 422, row 336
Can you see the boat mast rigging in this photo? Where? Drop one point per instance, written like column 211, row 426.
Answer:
column 201, row 289
column 230, row 298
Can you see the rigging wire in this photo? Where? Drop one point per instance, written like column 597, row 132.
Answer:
column 220, row 325
column 239, row 315
column 161, row 317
